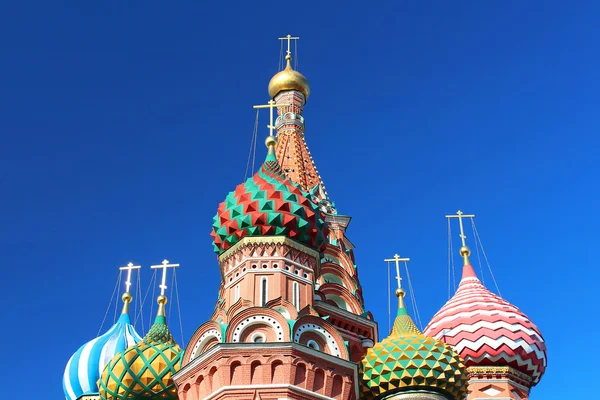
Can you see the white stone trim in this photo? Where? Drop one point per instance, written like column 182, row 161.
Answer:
column 258, row 319
column 331, row 344
column 205, row 338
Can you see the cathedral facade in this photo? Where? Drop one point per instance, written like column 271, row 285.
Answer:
column 290, row 320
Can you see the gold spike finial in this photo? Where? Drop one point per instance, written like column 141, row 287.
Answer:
column 465, row 252
column 400, row 293
column 127, row 295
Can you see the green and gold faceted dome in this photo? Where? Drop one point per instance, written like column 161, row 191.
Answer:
column 144, row 371
column 409, row 361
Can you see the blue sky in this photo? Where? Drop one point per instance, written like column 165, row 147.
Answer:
column 124, row 124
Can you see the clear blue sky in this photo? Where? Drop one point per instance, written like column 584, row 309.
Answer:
column 123, row 124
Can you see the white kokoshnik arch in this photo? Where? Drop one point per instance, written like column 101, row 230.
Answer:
column 256, row 320
column 213, row 333
column 330, row 341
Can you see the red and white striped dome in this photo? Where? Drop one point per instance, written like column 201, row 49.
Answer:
column 486, row 330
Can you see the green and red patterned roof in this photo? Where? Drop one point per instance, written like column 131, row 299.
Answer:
column 268, row 204
column 408, row 360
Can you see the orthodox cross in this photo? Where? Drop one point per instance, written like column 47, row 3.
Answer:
column 289, row 39
column 165, row 264
column 129, row 267
column 271, row 105
column 397, row 260
column 460, row 215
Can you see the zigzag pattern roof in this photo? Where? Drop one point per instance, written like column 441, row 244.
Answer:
column 144, row 371
column 487, row 330
column 268, row 204
column 85, row 366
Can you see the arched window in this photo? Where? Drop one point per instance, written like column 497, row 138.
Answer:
column 313, row 345
column 264, row 290
column 296, row 295
column 236, row 295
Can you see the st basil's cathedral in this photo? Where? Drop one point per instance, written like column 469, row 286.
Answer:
column 290, row 321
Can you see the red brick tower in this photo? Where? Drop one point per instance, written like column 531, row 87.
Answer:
column 289, row 322
column 339, row 294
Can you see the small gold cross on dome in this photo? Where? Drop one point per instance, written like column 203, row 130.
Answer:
column 289, row 39
column 397, row 260
column 129, row 267
column 460, row 215
column 164, row 265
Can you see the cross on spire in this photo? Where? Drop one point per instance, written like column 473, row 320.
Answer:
column 271, row 105
column 164, row 265
column 460, row 215
column 397, row 260
column 289, row 39
column 129, row 267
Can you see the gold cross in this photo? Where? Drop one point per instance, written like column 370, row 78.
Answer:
column 289, row 39
column 397, row 259
column 460, row 215
column 129, row 267
column 165, row 264
column 271, row 105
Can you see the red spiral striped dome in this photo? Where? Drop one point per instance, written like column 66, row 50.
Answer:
column 486, row 330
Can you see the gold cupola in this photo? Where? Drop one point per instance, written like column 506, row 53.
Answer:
column 288, row 79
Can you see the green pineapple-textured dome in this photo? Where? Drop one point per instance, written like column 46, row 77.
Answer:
column 407, row 360
column 145, row 370
column 268, row 204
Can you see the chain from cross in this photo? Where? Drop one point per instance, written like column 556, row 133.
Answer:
column 289, row 39
column 460, row 215
column 397, row 260
column 271, row 105
column 129, row 267
column 165, row 264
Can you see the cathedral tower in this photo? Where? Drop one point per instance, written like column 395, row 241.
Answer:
column 289, row 321
column 503, row 350
column 339, row 293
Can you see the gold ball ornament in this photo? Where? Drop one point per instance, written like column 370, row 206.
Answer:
column 127, row 297
column 465, row 251
column 162, row 299
column 270, row 141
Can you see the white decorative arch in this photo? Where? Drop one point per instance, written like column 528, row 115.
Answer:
column 213, row 333
column 255, row 320
column 331, row 344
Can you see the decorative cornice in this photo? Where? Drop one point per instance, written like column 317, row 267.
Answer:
column 249, row 240
column 501, row 372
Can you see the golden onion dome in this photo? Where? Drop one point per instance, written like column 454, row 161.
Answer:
column 288, row 79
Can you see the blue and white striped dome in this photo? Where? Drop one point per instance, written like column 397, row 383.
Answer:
column 85, row 366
